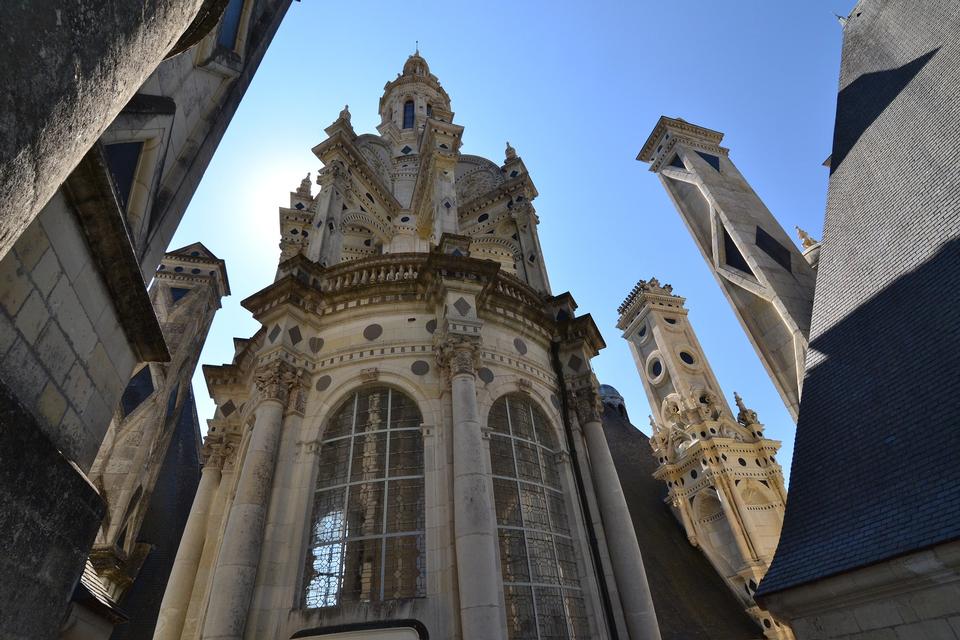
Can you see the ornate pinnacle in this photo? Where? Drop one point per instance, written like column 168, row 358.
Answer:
column 511, row 153
column 345, row 113
column 805, row 238
column 304, row 188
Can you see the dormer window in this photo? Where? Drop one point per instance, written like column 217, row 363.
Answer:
column 408, row 114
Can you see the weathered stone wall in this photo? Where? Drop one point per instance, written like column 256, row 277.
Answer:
column 68, row 69
column 62, row 350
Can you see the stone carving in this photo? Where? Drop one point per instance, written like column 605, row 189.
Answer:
column 746, row 416
column 275, row 380
column 457, row 354
column 588, row 405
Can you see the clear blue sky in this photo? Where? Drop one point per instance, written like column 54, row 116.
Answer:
column 575, row 87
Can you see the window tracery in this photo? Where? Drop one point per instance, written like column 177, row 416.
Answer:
column 538, row 561
column 367, row 529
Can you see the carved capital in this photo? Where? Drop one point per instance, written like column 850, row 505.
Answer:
column 275, row 380
column 458, row 354
column 588, row 405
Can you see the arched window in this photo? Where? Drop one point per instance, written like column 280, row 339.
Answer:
column 367, row 529
column 538, row 562
column 408, row 114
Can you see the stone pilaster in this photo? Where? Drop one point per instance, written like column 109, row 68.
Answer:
column 236, row 571
column 621, row 537
column 475, row 526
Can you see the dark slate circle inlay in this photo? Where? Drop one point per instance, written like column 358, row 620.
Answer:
column 316, row 344
column 520, row 346
column 431, row 326
column 324, row 383
column 486, row 375
column 372, row 332
column 420, row 367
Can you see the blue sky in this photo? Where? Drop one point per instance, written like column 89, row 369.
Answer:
column 575, row 87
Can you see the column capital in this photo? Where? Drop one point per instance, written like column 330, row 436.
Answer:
column 458, row 354
column 586, row 398
column 275, row 380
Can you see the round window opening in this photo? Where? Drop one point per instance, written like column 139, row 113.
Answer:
column 671, row 320
column 686, row 357
column 656, row 368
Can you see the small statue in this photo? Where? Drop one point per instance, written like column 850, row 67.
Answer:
column 345, row 113
column 511, row 152
column 805, row 238
column 746, row 416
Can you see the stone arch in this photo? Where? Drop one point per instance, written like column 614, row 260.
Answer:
column 714, row 533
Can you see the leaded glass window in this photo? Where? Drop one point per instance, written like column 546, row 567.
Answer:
column 541, row 580
column 408, row 114
column 367, row 529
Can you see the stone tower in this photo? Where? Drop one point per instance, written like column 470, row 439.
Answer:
column 411, row 445
column 186, row 294
column 724, row 483
column 760, row 270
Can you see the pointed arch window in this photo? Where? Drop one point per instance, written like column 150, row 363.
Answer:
column 408, row 114
column 367, row 529
column 538, row 560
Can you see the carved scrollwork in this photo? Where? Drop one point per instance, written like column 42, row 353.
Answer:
column 588, row 405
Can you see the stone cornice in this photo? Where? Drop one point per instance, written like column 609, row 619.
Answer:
column 677, row 126
column 507, row 190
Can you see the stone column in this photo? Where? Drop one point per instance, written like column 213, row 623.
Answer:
column 621, row 537
column 176, row 597
column 236, row 571
column 474, row 519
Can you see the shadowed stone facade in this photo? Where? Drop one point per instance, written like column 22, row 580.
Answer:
column 96, row 172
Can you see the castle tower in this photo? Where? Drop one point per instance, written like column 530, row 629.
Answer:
column 724, row 483
column 760, row 270
column 411, row 444
column 186, row 294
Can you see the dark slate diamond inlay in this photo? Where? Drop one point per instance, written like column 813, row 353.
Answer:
column 406, row 149
column 228, row 408
column 372, row 332
column 324, row 383
column 514, row 173
column 575, row 362
column 447, row 205
column 420, row 367
column 295, row 335
column 462, row 306
column 274, row 333
column 299, row 206
column 520, row 346
column 315, row 344
column 486, row 375
column 431, row 326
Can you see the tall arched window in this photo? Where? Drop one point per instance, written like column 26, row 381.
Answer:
column 541, row 580
column 367, row 530
column 408, row 114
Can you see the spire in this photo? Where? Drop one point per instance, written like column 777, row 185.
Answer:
column 841, row 20
column 745, row 416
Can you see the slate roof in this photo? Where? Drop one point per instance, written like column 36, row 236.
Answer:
column 691, row 599
column 875, row 469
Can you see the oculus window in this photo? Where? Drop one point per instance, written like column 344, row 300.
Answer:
column 367, row 531
column 538, row 561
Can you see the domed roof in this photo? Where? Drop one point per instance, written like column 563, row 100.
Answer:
column 608, row 393
column 416, row 66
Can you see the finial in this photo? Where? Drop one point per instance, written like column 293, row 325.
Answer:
column 345, row 113
column 805, row 238
column 511, row 152
column 841, row 20
column 304, row 188
column 417, row 46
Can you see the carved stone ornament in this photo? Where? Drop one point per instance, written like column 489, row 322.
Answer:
column 458, row 354
column 745, row 416
column 275, row 380
column 588, row 404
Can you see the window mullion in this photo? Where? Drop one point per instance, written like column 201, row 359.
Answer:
column 386, row 496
